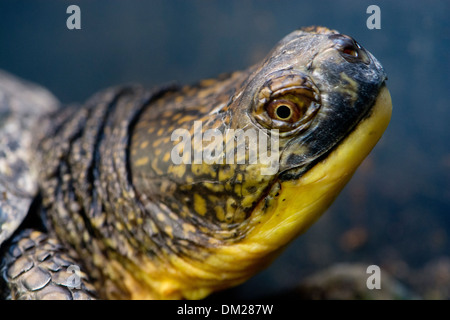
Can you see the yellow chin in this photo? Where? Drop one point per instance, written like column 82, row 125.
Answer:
column 299, row 204
column 302, row 202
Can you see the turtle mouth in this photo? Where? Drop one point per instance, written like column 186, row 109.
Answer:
column 296, row 203
column 295, row 172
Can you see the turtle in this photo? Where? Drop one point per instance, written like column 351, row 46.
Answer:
column 176, row 192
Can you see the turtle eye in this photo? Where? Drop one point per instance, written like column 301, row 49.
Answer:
column 284, row 110
column 286, row 102
column 289, row 112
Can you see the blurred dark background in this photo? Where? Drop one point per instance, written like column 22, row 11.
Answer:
column 395, row 211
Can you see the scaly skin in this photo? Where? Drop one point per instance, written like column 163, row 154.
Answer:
column 143, row 226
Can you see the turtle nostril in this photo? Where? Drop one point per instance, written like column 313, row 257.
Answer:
column 350, row 49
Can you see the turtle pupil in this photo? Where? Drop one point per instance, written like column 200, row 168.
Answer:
column 283, row 112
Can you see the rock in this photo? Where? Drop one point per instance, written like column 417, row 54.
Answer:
column 347, row 281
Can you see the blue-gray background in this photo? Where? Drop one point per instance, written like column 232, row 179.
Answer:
column 394, row 213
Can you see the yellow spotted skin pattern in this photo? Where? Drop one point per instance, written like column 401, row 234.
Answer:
column 144, row 226
column 211, row 201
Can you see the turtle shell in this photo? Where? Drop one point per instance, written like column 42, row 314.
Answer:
column 21, row 106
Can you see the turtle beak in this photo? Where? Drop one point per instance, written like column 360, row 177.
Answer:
column 302, row 201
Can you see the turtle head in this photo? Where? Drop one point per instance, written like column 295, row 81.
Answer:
column 255, row 158
column 317, row 93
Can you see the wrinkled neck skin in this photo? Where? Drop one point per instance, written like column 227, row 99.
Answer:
column 286, row 211
column 230, row 221
column 160, row 225
column 196, row 208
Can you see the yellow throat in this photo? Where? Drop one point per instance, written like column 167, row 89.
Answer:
column 299, row 204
